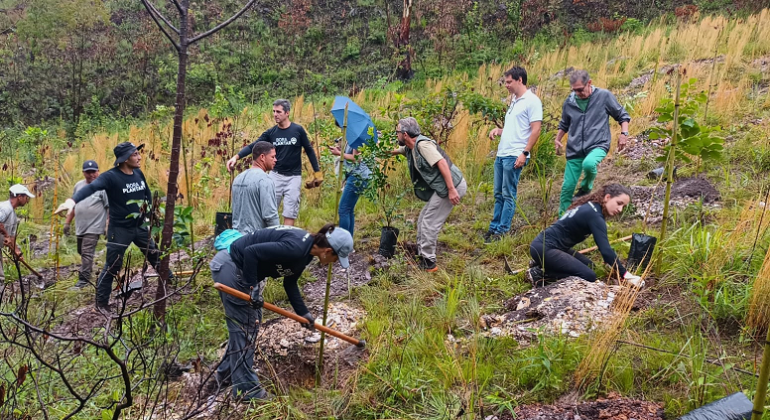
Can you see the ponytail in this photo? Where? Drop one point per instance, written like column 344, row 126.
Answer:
column 320, row 240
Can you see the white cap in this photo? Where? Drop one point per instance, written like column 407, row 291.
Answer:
column 18, row 189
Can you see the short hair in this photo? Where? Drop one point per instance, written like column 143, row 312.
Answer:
column 517, row 73
column 579, row 76
column 261, row 148
column 410, row 126
column 283, row 103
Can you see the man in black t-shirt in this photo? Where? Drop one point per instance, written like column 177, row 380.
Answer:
column 289, row 139
column 125, row 185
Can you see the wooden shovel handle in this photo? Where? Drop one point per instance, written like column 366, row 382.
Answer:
column 269, row 306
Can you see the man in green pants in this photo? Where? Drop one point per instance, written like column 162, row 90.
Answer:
column 585, row 117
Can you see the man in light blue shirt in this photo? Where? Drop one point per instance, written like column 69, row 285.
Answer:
column 254, row 205
column 517, row 138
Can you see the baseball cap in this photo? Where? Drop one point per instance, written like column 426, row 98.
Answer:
column 18, row 189
column 342, row 243
column 90, row 165
column 124, row 150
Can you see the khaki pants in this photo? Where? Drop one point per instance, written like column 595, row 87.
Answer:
column 431, row 220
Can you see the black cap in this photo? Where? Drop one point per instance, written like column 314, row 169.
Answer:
column 124, row 150
column 90, row 165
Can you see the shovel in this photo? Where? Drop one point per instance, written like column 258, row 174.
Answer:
column 269, row 306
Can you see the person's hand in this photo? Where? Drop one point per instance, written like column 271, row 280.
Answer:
column 453, row 196
column 67, row 229
column 335, row 150
column 231, row 163
column 7, row 241
column 257, row 302
column 558, row 146
column 66, row 207
column 635, row 281
column 622, row 140
column 310, row 324
column 520, row 161
column 496, row 132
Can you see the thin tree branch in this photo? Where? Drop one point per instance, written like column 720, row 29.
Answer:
column 162, row 29
column 178, row 7
column 223, row 24
column 163, row 18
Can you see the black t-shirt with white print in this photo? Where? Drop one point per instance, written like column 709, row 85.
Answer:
column 288, row 143
column 120, row 188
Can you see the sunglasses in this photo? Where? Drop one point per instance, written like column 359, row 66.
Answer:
column 580, row 89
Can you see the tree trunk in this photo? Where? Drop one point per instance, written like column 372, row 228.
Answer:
column 173, row 173
column 404, row 71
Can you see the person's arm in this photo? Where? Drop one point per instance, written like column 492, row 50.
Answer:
column 246, row 150
column 619, row 114
column 309, row 151
column 599, row 231
column 295, row 297
column 267, row 203
column 398, row 151
column 99, row 184
column 446, row 173
column 535, row 124
column 348, row 156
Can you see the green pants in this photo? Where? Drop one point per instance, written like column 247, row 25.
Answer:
column 587, row 166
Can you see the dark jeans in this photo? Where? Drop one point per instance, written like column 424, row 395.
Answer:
column 118, row 241
column 242, row 328
column 354, row 186
column 86, row 248
column 558, row 264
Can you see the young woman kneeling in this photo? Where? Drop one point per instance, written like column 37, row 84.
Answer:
column 278, row 251
column 552, row 249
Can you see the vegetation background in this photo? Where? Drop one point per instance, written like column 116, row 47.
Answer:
column 78, row 76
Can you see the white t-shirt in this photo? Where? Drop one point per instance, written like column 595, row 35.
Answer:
column 516, row 131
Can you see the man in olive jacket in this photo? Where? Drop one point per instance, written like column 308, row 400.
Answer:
column 436, row 180
column 585, row 117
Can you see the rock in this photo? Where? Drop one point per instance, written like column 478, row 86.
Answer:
column 571, row 306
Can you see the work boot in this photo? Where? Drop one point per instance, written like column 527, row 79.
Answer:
column 104, row 310
column 535, row 276
column 427, row 265
column 581, row 192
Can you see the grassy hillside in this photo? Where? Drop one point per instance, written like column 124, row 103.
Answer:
column 693, row 332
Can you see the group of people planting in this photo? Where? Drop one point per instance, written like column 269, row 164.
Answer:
column 258, row 246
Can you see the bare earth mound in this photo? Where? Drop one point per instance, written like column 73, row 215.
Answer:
column 614, row 407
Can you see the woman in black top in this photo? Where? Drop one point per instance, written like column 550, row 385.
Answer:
column 277, row 251
column 552, row 249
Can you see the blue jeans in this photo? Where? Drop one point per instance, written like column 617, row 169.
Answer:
column 354, row 187
column 506, row 185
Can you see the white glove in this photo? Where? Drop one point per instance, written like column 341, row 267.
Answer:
column 65, row 207
column 633, row 280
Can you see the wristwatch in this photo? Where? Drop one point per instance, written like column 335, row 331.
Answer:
column 525, row 153
column 625, row 133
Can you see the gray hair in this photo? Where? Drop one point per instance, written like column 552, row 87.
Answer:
column 410, row 126
column 579, row 76
column 283, row 103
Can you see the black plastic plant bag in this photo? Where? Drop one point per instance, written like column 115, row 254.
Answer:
column 732, row 407
column 640, row 254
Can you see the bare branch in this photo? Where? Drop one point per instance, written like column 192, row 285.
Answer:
column 178, row 7
column 162, row 28
column 163, row 18
column 223, row 24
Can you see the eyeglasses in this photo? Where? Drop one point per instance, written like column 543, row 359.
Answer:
column 580, row 89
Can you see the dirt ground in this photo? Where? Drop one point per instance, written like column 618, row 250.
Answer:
column 684, row 192
column 613, row 407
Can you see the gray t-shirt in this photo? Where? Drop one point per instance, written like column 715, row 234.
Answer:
column 8, row 219
column 254, row 205
column 91, row 212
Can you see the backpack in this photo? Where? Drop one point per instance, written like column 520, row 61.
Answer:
column 226, row 238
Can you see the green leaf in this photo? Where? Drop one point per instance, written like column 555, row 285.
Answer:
column 107, row 415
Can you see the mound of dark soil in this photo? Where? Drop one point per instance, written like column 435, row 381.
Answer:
column 614, row 407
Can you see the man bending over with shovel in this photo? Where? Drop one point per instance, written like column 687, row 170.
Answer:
column 278, row 251
column 124, row 184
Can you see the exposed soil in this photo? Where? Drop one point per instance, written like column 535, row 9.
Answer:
column 614, row 407
column 684, row 192
column 641, row 147
column 358, row 274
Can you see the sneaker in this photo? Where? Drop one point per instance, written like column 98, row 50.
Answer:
column 535, row 276
column 79, row 285
column 104, row 310
column 488, row 234
column 532, row 263
column 581, row 192
column 427, row 265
